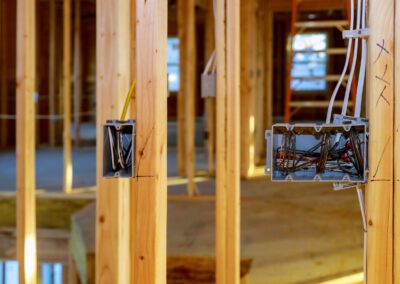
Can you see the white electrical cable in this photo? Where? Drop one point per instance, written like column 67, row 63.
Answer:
column 354, row 64
column 339, row 83
column 365, row 228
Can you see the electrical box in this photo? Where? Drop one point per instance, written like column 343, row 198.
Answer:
column 310, row 152
column 119, row 149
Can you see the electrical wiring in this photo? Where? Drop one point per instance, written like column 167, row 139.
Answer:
column 120, row 148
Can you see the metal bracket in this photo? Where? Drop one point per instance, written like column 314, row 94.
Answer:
column 359, row 33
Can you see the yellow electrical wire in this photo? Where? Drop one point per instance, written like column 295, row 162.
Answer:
column 127, row 100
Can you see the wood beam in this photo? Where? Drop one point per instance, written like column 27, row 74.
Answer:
column 113, row 195
column 269, row 39
column 379, row 190
column 67, row 184
column 210, row 103
column 26, row 204
column 186, row 31
column 52, row 72
column 248, row 91
column 3, row 74
column 149, row 259
column 228, row 145
column 77, row 72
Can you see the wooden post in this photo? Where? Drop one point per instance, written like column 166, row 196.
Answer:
column 396, row 131
column 248, row 62
column 26, row 204
column 77, row 72
column 149, row 263
column 186, row 30
column 380, row 98
column 113, row 195
column 67, row 96
column 210, row 103
column 228, row 129
column 52, row 72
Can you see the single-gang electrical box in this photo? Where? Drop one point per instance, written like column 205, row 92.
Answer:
column 119, row 149
column 310, row 152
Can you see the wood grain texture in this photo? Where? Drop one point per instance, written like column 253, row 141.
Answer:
column 149, row 259
column 77, row 71
column 188, row 58
column 113, row 195
column 396, row 134
column 67, row 96
column 228, row 142
column 26, row 203
column 379, row 191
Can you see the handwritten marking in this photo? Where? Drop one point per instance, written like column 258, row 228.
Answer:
column 383, row 97
column 380, row 159
column 382, row 49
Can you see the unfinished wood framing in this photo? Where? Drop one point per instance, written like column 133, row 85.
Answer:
column 186, row 30
column 113, row 195
column 380, row 186
column 67, row 96
column 248, row 88
column 3, row 75
column 396, row 230
column 26, row 203
column 228, row 145
column 52, row 72
column 149, row 259
column 269, row 34
column 77, row 72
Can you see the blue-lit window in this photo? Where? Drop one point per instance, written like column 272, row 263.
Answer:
column 173, row 64
column 51, row 273
column 309, row 60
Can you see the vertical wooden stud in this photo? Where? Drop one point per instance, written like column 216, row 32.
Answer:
column 67, row 96
column 248, row 93
column 269, row 26
column 77, row 72
column 380, row 98
column 186, row 30
column 149, row 263
column 26, row 204
column 52, row 72
column 228, row 155
column 113, row 195
column 3, row 75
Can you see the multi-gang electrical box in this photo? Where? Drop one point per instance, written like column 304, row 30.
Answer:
column 119, row 149
column 310, row 152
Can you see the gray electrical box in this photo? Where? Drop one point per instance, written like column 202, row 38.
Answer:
column 119, row 149
column 309, row 152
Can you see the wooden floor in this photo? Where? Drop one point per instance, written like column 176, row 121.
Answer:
column 295, row 233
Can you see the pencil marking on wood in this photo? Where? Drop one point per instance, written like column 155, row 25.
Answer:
column 381, row 157
column 381, row 96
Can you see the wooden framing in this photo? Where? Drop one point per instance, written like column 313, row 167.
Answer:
column 67, row 96
column 188, row 58
column 113, row 195
column 228, row 148
column 77, row 72
column 52, row 72
column 3, row 75
column 396, row 176
column 26, row 204
column 268, row 98
column 379, row 191
column 149, row 259
column 248, row 90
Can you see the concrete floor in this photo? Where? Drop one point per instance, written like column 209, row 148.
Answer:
column 295, row 233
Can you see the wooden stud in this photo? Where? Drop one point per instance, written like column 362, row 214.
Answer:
column 52, row 72
column 380, row 97
column 26, row 204
column 248, row 90
column 396, row 240
column 186, row 30
column 228, row 155
column 210, row 103
column 77, row 72
column 67, row 96
column 113, row 195
column 149, row 259
column 269, row 34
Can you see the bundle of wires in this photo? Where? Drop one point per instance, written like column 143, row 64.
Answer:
column 341, row 156
column 120, row 148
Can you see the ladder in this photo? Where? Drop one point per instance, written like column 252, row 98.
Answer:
column 302, row 101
